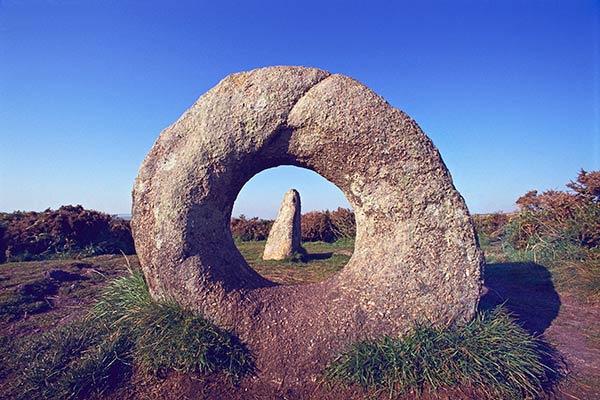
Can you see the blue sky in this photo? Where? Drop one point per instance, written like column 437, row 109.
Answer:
column 508, row 91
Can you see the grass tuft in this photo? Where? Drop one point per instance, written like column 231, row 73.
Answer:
column 174, row 339
column 125, row 328
column 492, row 356
column 168, row 337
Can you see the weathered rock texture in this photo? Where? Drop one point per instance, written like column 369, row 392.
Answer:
column 415, row 256
column 285, row 235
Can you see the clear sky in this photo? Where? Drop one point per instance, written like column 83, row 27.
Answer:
column 507, row 90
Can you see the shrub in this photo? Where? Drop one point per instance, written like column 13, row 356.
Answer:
column 491, row 356
column 68, row 231
column 317, row 226
column 558, row 216
column 562, row 230
column 490, row 226
column 325, row 226
column 343, row 223
column 250, row 229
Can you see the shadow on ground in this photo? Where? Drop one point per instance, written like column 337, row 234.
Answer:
column 308, row 257
column 526, row 289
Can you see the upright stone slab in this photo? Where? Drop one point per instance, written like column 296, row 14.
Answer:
column 285, row 235
column 416, row 256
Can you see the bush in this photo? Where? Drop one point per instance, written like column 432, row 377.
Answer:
column 490, row 226
column 562, row 230
column 343, row 223
column 491, row 356
column 328, row 226
column 317, row 226
column 68, row 231
column 250, row 229
column 559, row 216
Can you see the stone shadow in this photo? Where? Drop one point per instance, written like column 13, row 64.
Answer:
column 303, row 256
column 308, row 257
column 526, row 290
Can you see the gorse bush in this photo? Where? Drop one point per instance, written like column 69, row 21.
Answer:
column 68, row 231
column 124, row 328
column 328, row 226
column 490, row 226
column 492, row 356
column 317, row 227
column 343, row 223
column 250, row 229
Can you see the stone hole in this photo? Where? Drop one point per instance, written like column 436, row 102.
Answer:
column 415, row 254
column 260, row 200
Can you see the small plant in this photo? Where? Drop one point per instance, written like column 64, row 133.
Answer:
column 168, row 337
column 492, row 356
column 174, row 339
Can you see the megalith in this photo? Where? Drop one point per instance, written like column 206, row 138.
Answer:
column 415, row 256
column 285, row 234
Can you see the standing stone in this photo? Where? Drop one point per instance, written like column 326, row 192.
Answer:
column 284, row 237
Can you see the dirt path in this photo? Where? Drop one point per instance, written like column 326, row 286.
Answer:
column 576, row 335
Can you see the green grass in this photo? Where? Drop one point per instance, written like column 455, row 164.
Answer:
column 124, row 328
column 73, row 361
column 319, row 263
column 168, row 337
column 491, row 356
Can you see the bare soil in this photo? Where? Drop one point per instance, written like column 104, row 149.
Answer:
column 571, row 325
